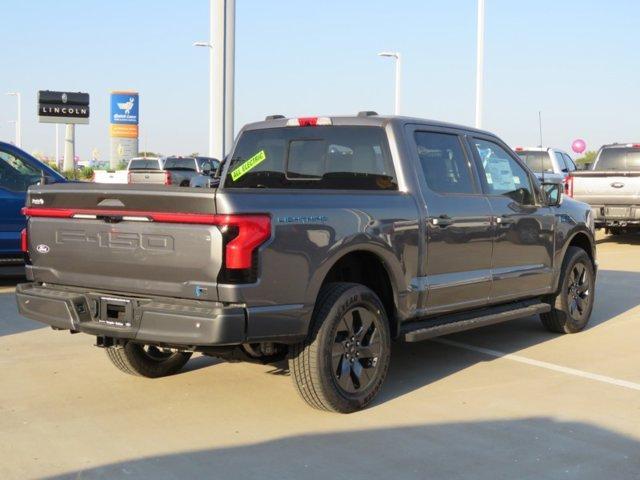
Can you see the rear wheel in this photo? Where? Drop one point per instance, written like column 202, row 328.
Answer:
column 343, row 364
column 572, row 306
column 147, row 360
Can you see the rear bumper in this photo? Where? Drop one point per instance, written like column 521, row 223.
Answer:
column 157, row 320
column 160, row 320
column 615, row 215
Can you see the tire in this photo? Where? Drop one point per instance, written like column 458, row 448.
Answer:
column 616, row 231
column 344, row 361
column 572, row 306
column 146, row 361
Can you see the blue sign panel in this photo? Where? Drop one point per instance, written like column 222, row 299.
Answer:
column 124, row 108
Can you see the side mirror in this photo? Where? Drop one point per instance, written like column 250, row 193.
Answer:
column 553, row 192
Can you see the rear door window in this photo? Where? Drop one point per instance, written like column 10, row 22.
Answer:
column 324, row 157
column 446, row 167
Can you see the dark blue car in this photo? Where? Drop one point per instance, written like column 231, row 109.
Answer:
column 18, row 170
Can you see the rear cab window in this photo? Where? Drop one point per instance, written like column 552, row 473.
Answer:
column 619, row 158
column 144, row 165
column 314, row 157
column 179, row 163
column 538, row 161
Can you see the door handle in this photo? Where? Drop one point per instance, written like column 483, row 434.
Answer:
column 441, row 221
column 503, row 220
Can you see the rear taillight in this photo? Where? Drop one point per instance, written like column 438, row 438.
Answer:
column 24, row 241
column 128, row 177
column 167, row 177
column 568, row 185
column 241, row 236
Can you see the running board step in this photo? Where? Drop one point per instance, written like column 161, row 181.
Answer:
column 435, row 327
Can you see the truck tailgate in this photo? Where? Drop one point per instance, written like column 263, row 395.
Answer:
column 157, row 177
column 143, row 239
column 607, row 187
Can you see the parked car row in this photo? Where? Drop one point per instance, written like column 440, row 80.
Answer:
column 175, row 170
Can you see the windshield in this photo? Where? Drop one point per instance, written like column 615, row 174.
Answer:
column 537, row 161
column 144, row 165
column 619, row 158
column 178, row 163
column 333, row 157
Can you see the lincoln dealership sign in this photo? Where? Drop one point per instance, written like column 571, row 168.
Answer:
column 63, row 107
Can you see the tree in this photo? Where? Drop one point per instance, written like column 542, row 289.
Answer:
column 148, row 154
column 588, row 157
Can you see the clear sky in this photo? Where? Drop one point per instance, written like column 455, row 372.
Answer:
column 575, row 60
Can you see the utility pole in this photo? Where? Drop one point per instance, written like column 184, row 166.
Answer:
column 69, row 147
column 480, row 64
column 19, row 119
column 221, row 45
column 396, row 56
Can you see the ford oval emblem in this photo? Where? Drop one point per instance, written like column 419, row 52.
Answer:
column 617, row 184
column 42, row 248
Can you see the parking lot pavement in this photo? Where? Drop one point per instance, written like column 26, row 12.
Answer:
column 507, row 401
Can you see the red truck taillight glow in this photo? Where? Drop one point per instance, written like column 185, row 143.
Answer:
column 568, row 185
column 24, row 241
column 243, row 233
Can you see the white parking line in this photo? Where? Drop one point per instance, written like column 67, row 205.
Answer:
column 538, row 363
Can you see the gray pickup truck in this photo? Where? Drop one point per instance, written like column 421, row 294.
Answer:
column 612, row 187
column 326, row 239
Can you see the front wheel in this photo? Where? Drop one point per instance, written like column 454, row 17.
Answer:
column 344, row 362
column 147, row 360
column 572, row 306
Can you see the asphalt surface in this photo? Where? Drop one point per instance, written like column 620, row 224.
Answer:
column 505, row 402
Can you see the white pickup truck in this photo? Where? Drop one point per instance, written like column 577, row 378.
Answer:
column 136, row 165
column 611, row 187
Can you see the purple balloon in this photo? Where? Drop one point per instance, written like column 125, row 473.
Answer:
column 579, row 145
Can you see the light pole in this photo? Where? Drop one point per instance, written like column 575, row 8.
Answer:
column 480, row 64
column 19, row 119
column 13, row 122
column 396, row 56
column 221, row 44
column 212, row 92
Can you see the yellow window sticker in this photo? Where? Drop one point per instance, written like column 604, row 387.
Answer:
column 254, row 161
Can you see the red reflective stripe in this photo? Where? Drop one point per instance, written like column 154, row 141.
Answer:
column 164, row 217
column 48, row 212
